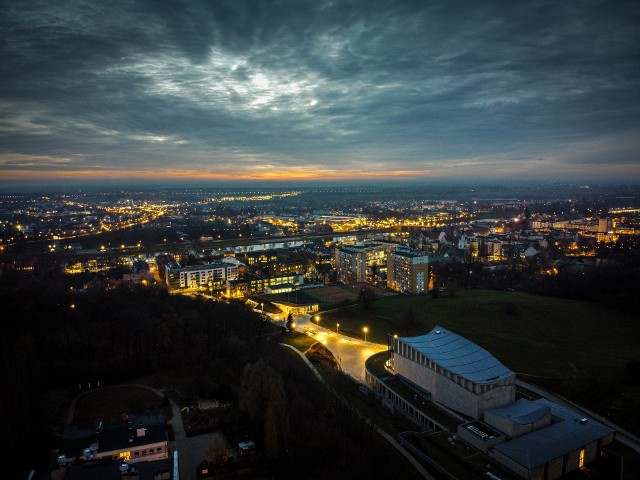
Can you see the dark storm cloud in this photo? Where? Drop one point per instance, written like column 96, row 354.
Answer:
column 383, row 85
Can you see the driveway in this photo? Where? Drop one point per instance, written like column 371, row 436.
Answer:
column 191, row 450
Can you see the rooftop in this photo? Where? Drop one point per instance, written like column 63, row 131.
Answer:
column 192, row 268
column 135, row 430
column 405, row 251
column 459, row 355
column 522, row 411
column 571, row 433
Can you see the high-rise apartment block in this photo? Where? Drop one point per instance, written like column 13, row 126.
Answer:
column 360, row 262
column 408, row 270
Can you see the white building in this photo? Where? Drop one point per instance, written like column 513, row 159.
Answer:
column 457, row 373
column 205, row 276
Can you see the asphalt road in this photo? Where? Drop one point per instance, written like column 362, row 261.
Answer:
column 350, row 353
column 191, row 450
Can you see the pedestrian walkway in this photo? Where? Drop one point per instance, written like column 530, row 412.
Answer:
column 382, row 433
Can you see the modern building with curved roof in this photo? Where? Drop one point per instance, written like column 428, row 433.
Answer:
column 459, row 374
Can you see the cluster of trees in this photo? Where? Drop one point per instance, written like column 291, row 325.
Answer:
column 612, row 283
column 55, row 339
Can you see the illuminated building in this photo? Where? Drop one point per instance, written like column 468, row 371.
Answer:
column 358, row 262
column 604, row 229
column 133, row 438
column 408, row 270
column 241, row 288
column 201, row 276
column 532, row 439
column 457, row 373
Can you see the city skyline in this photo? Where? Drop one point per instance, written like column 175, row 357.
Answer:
column 318, row 91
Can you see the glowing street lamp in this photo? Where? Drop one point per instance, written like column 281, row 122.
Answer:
column 317, row 319
column 365, row 330
column 337, row 327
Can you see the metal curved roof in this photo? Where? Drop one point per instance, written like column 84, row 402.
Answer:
column 523, row 411
column 459, row 356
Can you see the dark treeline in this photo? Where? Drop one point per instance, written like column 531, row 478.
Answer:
column 54, row 339
column 612, row 278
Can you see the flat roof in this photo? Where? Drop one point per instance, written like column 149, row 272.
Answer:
column 556, row 440
column 114, row 435
column 459, row 356
column 209, row 266
column 523, row 411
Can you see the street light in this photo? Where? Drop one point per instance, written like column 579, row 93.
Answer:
column 365, row 330
column 337, row 327
column 317, row 319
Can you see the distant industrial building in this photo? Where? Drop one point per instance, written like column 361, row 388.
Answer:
column 408, row 270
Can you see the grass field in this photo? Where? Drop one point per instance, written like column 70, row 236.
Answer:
column 111, row 402
column 577, row 348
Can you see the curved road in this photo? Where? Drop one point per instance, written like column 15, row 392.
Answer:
column 350, row 353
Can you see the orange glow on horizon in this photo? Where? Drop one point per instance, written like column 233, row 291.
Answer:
column 294, row 175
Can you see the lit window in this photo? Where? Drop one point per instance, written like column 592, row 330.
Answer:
column 581, row 462
column 124, row 455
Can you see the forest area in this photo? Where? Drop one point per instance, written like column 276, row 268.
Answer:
column 56, row 339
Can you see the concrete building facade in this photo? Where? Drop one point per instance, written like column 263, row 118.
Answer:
column 356, row 262
column 200, row 276
column 457, row 373
column 408, row 270
column 560, row 440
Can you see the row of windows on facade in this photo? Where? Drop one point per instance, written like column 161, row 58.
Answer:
column 398, row 401
column 136, row 454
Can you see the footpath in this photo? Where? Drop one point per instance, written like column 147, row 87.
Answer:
column 382, row 433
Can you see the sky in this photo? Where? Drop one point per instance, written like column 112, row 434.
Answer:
column 297, row 90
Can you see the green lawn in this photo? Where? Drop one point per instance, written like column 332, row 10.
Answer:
column 111, row 402
column 301, row 341
column 577, row 348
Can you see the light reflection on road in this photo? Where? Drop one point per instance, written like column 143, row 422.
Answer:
column 350, row 353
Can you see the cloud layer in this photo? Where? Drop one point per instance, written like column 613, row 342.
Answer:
column 319, row 89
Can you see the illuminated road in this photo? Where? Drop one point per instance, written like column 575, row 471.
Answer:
column 350, row 353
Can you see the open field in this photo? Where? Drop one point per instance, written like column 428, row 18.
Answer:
column 336, row 294
column 111, row 402
column 574, row 347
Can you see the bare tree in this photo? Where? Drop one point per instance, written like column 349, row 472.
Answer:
column 218, row 450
